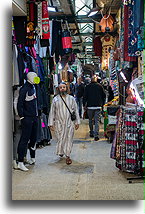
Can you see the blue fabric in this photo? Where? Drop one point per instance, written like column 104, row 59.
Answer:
column 135, row 22
column 40, row 66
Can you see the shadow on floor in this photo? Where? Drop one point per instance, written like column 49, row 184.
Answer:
column 76, row 167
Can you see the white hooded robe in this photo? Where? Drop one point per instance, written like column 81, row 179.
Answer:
column 60, row 118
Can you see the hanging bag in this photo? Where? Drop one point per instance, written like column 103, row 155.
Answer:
column 66, row 40
column 106, row 23
column 73, row 115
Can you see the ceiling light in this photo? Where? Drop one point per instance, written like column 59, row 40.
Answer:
column 94, row 11
column 52, row 9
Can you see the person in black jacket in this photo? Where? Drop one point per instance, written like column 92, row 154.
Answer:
column 28, row 113
column 79, row 92
column 94, row 99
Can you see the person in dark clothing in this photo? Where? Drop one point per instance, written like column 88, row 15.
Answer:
column 108, row 91
column 110, row 94
column 72, row 89
column 79, row 92
column 94, row 99
column 28, row 113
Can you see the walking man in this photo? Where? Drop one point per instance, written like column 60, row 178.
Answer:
column 60, row 121
column 79, row 92
column 94, row 99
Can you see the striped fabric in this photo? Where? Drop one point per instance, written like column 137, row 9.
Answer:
column 127, row 147
column 59, row 116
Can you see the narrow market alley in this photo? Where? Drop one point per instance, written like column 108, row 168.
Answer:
column 91, row 176
column 77, row 100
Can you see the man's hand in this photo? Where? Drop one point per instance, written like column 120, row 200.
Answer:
column 76, row 126
column 51, row 128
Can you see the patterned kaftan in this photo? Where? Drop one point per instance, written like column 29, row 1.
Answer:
column 64, row 127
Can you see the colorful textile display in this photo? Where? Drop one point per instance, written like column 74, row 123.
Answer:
column 135, row 24
column 127, row 147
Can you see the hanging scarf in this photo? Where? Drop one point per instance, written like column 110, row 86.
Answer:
column 30, row 24
column 40, row 19
column 45, row 21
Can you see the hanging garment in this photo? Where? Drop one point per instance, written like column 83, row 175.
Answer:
column 21, row 66
column 28, row 62
column 20, row 28
column 126, row 37
column 108, row 42
column 66, row 42
column 15, row 70
column 43, row 132
column 56, row 41
column 31, row 23
column 40, row 67
column 106, row 23
column 41, row 51
column 135, row 21
column 45, row 21
column 98, row 46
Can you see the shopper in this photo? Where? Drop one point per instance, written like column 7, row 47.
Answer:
column 94, row 98
column 60, row 121
column 27, row 111
column 79, row 92
column 72, row 89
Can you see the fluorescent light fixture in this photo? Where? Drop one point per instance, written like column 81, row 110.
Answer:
column 52, row 9
column 94, row 11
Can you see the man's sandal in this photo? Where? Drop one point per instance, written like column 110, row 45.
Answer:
column 68, row 161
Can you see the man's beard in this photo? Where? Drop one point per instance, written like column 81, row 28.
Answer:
column 63, row 92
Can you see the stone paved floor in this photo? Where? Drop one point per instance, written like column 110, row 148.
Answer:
column 91, row 176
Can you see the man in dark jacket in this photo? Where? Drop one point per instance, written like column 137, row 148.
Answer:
column 94, row 99
column 28, row 112
column 79, row 92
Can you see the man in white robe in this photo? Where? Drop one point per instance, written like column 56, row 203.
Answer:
column 60, row 121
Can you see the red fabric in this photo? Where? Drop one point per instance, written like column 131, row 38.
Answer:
column 98, row 46
column 126, row 56
column 31, row 12
column 66, row 42
column 127, row 123
column 45, row 21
